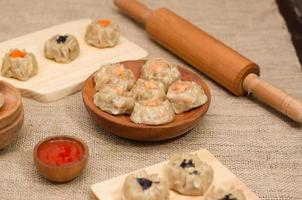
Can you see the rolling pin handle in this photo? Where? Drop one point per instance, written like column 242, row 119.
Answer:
column 138, row 11
column 274, row 97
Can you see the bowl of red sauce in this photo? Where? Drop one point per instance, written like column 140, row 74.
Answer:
column 61, row 158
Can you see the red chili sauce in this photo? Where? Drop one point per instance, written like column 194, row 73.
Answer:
column 60, row 152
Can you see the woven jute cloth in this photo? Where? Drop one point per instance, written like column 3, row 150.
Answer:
column 262, row 147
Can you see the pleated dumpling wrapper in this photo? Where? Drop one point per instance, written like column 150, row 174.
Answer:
column 147, row 90
column 160, row 70
column 141, row 186
column 102, row 33
column 19, row 64
column 114, row 100
column 152, row 112
column 186, row 95
column 227, row 193
column 62, row 48
column 115, row 74
column 188, row 175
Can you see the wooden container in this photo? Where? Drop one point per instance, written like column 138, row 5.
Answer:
column 123, row 127
column 61, row 173
column 11, row 114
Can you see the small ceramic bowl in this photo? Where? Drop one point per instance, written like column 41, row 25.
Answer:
column 65, row 172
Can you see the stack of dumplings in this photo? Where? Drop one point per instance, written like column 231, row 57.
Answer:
column 158, row 94
column 185, row 174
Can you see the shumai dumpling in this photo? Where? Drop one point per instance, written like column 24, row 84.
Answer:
column 114, row 100
column 19, row 64
column 186, row 95
column 115, row 74
column 102, row 33
column 188, row 175
column 147, row 90
column 160, row 70
column 141, row 186
column 62, row 48
column 152, row 112
column 215, row 193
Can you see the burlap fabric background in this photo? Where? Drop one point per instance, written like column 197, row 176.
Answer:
column 258, row 144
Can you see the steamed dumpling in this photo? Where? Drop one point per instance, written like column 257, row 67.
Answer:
column 141, row 186
column 160, row 70
column 19, row 64
column 215, row 193
column 62, row 48
column 188, row 175
column 152, row 112
column 102, row 33
column 186, row 95
column 114, row 100
column 147, row 90
column 115, row 74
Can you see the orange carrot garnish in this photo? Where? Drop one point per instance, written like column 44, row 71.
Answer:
column 17, row 54
column 104, row 22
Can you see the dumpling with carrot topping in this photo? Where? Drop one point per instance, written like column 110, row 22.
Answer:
column 102, row 33
column 114, row 100
column 115, row 74
column 186, row 95
column 142, row 186
column 152, row 112
column 160, row 70
column 19, row 64
column 226, row 193
column 147, row 90
column 62, row 48
column 188, row 175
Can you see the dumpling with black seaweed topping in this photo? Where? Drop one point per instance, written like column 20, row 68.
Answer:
column 141, row 186
column 188, row 175
column 228, row 193
column 102, row 33
column 19, row 64
column 62, row 48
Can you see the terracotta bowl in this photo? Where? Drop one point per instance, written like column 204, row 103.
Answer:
column 123, row 127
column 63, row 173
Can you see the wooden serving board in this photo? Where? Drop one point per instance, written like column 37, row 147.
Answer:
column 54, row 80
column 111, row 189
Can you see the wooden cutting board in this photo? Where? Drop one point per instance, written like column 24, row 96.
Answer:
column 111, row 189
column 55, row 81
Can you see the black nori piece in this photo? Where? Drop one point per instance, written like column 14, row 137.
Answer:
column 144, row 183
column 187, row 163
column 61, row 39
column 228, row 197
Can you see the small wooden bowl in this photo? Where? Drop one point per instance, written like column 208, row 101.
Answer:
column 123, row 127
column 10, row 132
column 12, row 104
column 66, row 172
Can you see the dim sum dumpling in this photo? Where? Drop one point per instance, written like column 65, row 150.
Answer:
column 141, row 186
column 19, row 64
column 102, row 33
column 114, row 100
column 62, row 48
column 185, row 95
column 231, row 193
column 188, row 175
column 147, row 90
column 160, row 70
column 152, row 112
column 115, row 74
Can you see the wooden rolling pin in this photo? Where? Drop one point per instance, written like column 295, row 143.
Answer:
column 207, row 54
